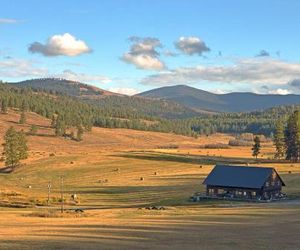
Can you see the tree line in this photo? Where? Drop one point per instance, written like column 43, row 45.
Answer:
column 287, row 137
column 113, row 112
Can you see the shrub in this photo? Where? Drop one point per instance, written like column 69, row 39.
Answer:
column 238, row 142
column 171, row 146
column 215, row 146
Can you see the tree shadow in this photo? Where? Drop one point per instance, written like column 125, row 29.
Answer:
column 192, row 159
column 6, row 170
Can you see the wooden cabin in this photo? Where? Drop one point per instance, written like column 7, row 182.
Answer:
column 241, row 182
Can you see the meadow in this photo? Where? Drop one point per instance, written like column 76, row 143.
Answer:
column 116, row 174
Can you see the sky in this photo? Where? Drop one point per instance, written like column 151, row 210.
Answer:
column 130, row 46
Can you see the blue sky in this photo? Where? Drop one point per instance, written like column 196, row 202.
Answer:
column 132, row 46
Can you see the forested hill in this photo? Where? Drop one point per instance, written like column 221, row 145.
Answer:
column 121, row 105
column 73, row 112
column 232, row 102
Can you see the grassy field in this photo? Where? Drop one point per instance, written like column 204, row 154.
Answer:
column 116, row 173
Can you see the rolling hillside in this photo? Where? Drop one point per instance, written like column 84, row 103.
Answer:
column 109, row 100
column 232, row 102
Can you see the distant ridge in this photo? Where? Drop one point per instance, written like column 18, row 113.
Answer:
column 198, row 99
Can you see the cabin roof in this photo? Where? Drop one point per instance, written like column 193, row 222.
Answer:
column 239, row 176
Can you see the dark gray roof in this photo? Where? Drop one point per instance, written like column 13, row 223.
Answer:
column 239, row 176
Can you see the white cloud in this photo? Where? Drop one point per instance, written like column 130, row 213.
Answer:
column 191, row 45
column 18, row 68
column 144, row 61
column 218, row 91
column 143, row 54
column 24, row 69
column 280, row 91
column 66, row 45
column 82, row 77
column 248, row 71
column 124, row 91
column 8, row 20
column 170, row 53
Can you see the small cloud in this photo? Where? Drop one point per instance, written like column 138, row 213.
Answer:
column 191, row 45
column 280, row 92
column 20, row 68
column 82, row 77
column 170, row 53
column 218, row 91
column 143, row 53
column 124, row 91
column 8, row 21
column 263, row 53
column 65, row 45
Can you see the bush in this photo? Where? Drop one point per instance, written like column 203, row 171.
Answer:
column 171, row 146
column 238, row 142
column 245, row 137
column 215, row 146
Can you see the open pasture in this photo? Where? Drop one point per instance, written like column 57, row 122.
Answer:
column 116, row 173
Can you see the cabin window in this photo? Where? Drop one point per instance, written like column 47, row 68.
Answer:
column 253, row 193
column 267, row 184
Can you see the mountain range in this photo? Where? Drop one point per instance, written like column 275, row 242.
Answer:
column 233, row 102
column 174, row 101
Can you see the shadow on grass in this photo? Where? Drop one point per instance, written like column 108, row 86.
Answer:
column 195, row 159
column 41, row 135
column 6, row 170
column 192, row 159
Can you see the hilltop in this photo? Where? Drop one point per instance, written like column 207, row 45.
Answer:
column 63, row 86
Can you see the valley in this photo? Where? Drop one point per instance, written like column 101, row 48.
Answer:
column 116, row 174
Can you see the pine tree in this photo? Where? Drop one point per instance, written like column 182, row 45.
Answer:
column 53, row 121
column 33, row 129
column 60, row 126
column 79, row 133
column 279, row 140
column 22, row 118
column 4, row 106
column 24, row 106
column 22, row 145
column 292, row 137
column 15, row 147
column 256, row 147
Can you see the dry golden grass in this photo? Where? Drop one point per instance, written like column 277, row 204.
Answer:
column 105, row 171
